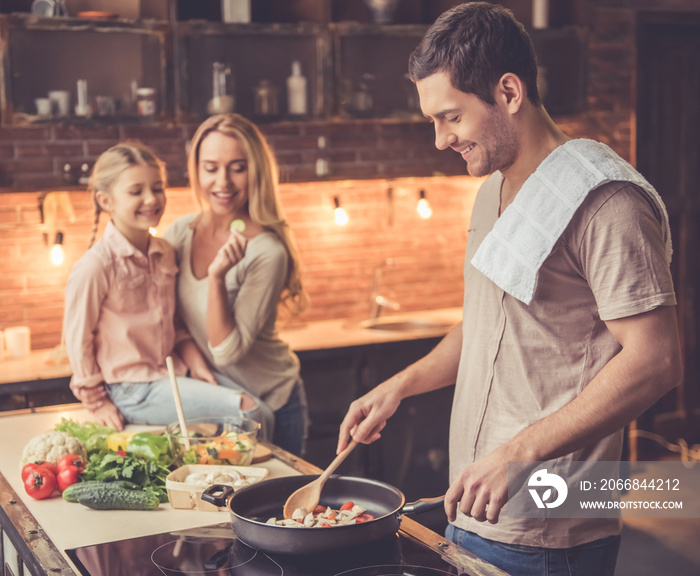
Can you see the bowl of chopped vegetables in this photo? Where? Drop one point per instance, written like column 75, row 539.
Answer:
column 219, row 441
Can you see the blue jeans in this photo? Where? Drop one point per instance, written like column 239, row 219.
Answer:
column 152, row 403
column 595, row 558
column 291, row 422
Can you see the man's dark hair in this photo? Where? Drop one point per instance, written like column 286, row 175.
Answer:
column 475, row 44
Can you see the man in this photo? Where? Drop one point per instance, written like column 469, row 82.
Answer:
column 569, row 328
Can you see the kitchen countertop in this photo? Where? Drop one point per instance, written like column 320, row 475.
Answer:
column 46, row 528
column 89, row 526
column 339, row 333
column 51, row 364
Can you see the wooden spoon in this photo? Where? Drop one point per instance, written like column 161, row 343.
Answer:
column 178, row 402
column 309, row 495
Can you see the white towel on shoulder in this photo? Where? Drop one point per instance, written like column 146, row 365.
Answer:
column 525, row 234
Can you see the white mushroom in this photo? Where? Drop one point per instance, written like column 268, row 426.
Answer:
column 290, row 522
column 309, row 520
column 242, row 483
column 299, row 514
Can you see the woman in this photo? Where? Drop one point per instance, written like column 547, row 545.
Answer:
column 120, row 308
column 238, row 262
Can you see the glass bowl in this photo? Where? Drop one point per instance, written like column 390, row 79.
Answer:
column 219, row 441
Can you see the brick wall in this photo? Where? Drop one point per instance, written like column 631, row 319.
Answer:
column 339, row 261
column 33, row 157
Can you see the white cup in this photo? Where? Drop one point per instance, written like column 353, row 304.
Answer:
column 18, row 341
column 43, row 106
column 60, row 100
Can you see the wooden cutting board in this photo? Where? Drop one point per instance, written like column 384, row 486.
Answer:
column 262, row 453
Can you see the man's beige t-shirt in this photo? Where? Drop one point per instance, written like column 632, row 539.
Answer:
column 520, row 362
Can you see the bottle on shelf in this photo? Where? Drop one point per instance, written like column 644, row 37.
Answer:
column 296, row 91
column 146, row 104
column 221, row 102
column 266, row 101
column 84, row 177
column 322, row 163
column 69, row 178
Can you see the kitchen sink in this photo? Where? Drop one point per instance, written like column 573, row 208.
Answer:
column 407, row 324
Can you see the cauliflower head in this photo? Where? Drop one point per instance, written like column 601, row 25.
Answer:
column 51, row 447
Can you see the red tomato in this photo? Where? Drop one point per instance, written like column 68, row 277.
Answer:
column 40, row 484
column 68, row 476
column 347, row 506
column 71, row 460
column 29, row 468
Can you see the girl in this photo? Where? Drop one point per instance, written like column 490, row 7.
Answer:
column 120, row 309
column 231, row 281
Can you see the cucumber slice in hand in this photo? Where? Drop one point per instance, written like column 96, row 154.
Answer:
column 238, row 225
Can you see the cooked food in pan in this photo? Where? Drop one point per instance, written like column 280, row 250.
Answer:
column 325, row 517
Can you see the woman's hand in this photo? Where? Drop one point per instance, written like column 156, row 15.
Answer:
column 228, row 255
column 108, row 415
column 202, row 372
column 92, row 397
column 248, row 403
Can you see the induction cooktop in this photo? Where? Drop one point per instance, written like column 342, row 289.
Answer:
column 215, row 551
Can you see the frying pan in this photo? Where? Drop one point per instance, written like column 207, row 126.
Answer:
column 253, row 505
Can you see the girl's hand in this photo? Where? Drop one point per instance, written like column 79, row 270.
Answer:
column 228, row 255
column 108, row 415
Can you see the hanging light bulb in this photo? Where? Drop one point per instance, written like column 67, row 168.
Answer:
column 341, row 217
column 57, row 253
column 423, row 207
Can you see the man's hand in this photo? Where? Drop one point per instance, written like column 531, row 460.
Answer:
column 480, row 490
column 368, row 414
column 108, row 415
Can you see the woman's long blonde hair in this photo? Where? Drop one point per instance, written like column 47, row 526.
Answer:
column 111, row 164
column 264, row 205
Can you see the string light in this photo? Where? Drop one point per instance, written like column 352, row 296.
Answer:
column 423, row 207
column 341, row 217
column 57, row 254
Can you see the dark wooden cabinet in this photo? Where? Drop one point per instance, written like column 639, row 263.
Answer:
column 668, row 148
column 355, row 69
column 412, row 453
column 114, row 57
column 331, row 380
column 252, row 53
column 371, row 72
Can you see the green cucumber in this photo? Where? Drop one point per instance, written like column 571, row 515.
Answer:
column 112, row 496
column 71, row 493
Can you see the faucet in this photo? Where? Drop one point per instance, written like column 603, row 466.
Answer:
column 377, row 302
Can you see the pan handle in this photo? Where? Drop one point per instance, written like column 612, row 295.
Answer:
column 423, row 505
column 217, row 494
